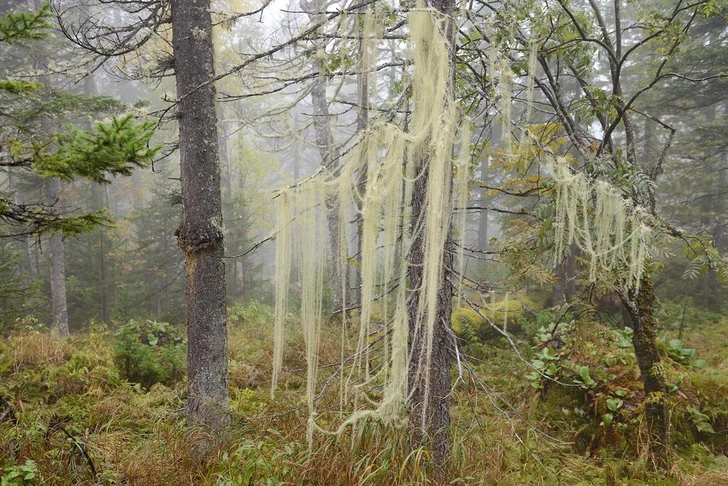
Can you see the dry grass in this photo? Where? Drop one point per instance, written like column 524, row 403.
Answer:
column 138, row 437
column 35, row 349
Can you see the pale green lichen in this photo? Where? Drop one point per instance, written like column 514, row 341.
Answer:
column 657, row 371
column 654, row 398
column 612, row 232
column 394, row 158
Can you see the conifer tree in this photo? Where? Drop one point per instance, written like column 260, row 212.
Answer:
column 33, row 139
column 109, row 149
column 200, row 234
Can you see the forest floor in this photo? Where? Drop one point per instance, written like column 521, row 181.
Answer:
column 105, row 408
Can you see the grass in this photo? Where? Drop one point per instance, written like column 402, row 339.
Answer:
column 80, row 422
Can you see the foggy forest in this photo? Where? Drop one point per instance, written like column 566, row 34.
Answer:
column 368, row 242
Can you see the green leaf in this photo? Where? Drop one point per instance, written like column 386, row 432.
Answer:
column 585, row 379
column 552, row 369
column 152, row 339
column 614, row 404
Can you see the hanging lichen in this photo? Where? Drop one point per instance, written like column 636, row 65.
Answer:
column 282, row 275
column 612, row 232
column 394, row 158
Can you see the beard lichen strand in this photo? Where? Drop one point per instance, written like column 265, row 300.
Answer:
column 391, row 224
column 371, row 215
column 608, row 228
column 283, row 274
column 345, row 195
column 311, row 252
column 386, row 213
column 505, row 89
column 432, row 97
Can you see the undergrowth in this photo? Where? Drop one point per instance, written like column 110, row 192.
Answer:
column 105, row 407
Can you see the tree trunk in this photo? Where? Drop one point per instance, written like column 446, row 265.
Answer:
column 231, row 269
column 200, row 234
column 99, row 202
column 429, row 403
column 483, row 240
column 640, row 305
column 362, row 122
column 329, row 157
column 429, row 409
column 56, row 259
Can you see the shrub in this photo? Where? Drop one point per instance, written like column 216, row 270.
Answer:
column 149, row 352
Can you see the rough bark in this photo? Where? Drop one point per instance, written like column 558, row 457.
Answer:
column 429, row 407
column 564, row 288
column 640, row 305
column 200, row 234
column 56, row 260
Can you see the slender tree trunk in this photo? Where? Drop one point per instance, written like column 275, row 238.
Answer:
column 98, row 201
column 231, row 269
column 565, row 288
column 200, row 234
column 429, row 404
column 25, row 264
column 483, row 240
column 640, row 306
column 329, row 156
column 362, row 122
column 56, row 259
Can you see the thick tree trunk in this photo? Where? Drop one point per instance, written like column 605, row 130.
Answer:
column 429, row 379
column 429, row 406
column 56, row 259
column 640, row 307
column 200, row 234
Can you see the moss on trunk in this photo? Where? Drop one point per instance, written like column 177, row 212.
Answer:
column 640, row 305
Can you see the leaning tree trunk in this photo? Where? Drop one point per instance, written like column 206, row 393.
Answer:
column 56, row 259
column 200, row 234
column 640, row 304
column 429, row 389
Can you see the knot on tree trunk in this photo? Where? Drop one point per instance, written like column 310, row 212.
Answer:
column 198, row 238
